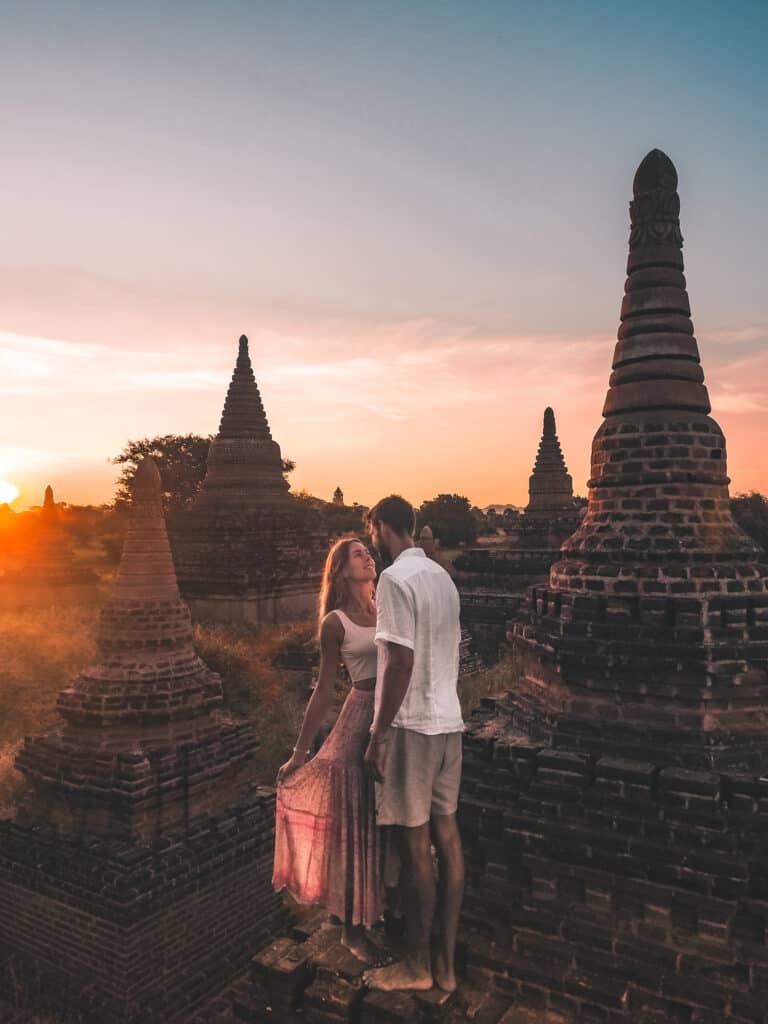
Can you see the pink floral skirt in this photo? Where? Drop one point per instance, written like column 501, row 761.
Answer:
column 327, row 845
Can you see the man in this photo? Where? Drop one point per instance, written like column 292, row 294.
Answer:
column 415, row 747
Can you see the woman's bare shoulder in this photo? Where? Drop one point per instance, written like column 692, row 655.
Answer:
column 331, row 628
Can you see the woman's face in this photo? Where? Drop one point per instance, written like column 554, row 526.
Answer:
column 361, row 567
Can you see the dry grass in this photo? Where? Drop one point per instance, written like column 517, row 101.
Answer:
column 39, row 651
column 488, row 682
column 257, row 686
column 43, row 649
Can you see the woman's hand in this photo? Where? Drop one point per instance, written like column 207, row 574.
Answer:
column 294, row 762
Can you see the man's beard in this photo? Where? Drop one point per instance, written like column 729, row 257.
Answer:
column 385, row 555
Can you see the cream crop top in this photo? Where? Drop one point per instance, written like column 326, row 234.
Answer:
column 358, row 648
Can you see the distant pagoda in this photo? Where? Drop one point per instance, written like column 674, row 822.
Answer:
column 550, row 488
column 247, row 551
column 493, row 580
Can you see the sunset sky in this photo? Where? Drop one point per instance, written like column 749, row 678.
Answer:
column 416, row 211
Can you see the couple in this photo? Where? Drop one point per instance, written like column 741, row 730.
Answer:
column 401, row 726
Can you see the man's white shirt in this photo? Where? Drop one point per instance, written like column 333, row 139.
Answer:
column 418, row 607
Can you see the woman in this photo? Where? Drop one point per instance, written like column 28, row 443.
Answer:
column 327, row 848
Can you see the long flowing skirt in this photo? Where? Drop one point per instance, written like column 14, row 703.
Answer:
column 327, row 845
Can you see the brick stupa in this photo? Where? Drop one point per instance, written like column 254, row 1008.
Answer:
column 650, row 611
column 493, row 580
column 140, row 816
column 247, row 551
column 615, row 801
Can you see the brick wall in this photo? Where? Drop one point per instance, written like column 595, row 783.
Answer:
column 139, row 933
column 614, row 890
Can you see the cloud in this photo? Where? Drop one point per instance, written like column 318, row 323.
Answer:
column 736, row 335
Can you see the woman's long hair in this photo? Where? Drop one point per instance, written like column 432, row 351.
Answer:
column 334, row 589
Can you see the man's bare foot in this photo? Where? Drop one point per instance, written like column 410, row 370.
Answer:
column 357, row 942
column 398, row 976
column 444, row 979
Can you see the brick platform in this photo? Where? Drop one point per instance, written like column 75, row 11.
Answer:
column 141, row 933
column 611, row 889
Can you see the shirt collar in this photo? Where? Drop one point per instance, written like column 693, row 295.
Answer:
column 418, row 552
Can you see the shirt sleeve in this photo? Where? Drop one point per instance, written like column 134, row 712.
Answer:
column 395, row 613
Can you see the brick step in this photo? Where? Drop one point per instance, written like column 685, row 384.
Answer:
column 311, row 977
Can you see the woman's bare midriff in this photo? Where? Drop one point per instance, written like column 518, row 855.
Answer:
column 365, row 684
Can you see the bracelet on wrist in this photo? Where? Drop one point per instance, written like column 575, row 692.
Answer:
column 305, row 752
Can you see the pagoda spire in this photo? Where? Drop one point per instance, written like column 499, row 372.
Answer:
column 146, row 568
column 656, row 362
column 245, row 467
column 148, row 668
column 550, row 487
column 243, row 414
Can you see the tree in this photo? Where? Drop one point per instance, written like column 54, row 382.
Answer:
column 451, row 518
column 751, row 513
column 181, row 459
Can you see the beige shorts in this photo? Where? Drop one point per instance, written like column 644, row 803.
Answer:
column 421, row 777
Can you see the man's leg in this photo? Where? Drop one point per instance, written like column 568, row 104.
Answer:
column 450, row 855
column 421, row 896
column 415, row 971
column 404, row 797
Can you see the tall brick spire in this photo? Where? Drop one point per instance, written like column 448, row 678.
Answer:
column 145, row 740
column 245, row 466
column 550, row 487
column 649, row 637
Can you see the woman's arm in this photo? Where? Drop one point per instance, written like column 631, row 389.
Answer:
column 331, row 637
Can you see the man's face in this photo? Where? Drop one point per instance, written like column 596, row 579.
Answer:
column 379, row 538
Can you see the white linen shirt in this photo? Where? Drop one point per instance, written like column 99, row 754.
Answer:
column 417, row 606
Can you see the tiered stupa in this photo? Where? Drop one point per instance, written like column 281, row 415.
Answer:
column 493, row 580
column 139, row 863
column 619, row 870
column 43, row 571
column 550, row 487
column 145, row 743
column 247, row 551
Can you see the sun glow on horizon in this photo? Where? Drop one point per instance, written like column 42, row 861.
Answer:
column 8, row 492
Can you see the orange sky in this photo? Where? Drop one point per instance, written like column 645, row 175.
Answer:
column 414, row 406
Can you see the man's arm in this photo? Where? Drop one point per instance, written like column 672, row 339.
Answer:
column 394, row 686
column 396, row 627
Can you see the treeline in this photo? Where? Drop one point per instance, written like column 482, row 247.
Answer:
column 181, row 459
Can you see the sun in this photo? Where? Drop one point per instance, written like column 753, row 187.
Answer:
column 8, row 492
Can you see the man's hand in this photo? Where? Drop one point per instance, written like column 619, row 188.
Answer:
column 375, row 757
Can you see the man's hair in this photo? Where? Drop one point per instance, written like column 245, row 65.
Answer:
column 396, row 512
